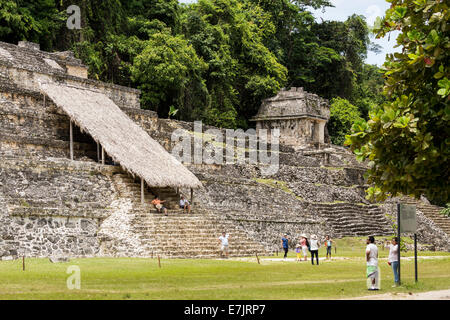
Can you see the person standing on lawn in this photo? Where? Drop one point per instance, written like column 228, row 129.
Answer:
column 372, row 262
column 304, row 244
column 298, row 251
column 314, row 248
column 393, row 259
column 285, row 244
column 328, row 244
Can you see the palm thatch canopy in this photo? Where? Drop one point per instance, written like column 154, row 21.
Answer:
column 123, row 140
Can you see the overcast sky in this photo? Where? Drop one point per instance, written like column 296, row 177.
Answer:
column 368, row 8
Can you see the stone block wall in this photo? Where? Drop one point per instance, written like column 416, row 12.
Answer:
column 53, row 207
column 27, row 66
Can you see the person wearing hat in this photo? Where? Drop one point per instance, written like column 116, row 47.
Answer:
column 304, row 243
column 372, row 262
column 314, row 248
column 285, row 244
column 298, row 250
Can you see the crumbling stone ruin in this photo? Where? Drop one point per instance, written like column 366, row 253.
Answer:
column 51, row 205
column 300, row 116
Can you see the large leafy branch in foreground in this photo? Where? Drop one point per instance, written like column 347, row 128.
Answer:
column 406, row 140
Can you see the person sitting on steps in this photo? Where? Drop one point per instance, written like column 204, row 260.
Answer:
column 158, row 205
column 184, row 204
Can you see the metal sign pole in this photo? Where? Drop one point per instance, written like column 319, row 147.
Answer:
column 415, row 255
column 399, row 240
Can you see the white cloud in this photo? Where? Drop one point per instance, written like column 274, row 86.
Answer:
column 372, row 12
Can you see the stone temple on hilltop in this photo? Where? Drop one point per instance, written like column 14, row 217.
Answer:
column 300, row 116
column 80, row 162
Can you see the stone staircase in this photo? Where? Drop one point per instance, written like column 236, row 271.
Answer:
column 180, row 235
column 430, row 211
column 190, row 236
column 350, row 219
column 128, row 187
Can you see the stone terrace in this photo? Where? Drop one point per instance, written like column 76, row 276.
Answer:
column 50, row 205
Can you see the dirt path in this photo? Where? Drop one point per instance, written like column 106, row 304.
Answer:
column 430, row 295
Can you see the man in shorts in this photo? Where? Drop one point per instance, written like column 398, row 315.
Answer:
column 223, row 240
column 158, row 205
column 372, row 263
column 184, row 204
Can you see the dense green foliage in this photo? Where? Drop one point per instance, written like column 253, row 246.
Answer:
column 407, row 139
column 342, row 117
column 446, row 210
column 213, row 60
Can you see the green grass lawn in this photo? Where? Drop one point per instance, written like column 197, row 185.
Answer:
column 139, row 278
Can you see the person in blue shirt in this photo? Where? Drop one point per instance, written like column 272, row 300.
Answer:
column 285, row 244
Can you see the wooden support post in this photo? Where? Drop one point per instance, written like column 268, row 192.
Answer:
column 103, row 155
column 142, row 191
column 159, row 261
column 23, row 263
column 71, row 140
column 192, row 196
column 257, row 258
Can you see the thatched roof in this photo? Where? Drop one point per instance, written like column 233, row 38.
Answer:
column 123, row 140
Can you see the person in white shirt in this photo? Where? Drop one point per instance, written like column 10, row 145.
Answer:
column 184, row 204
column 223, row 239
column 393, row 259
column 314, row 248
column 372, row 262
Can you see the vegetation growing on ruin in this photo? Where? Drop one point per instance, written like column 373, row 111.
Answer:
column 282, row 185
column 212, row 60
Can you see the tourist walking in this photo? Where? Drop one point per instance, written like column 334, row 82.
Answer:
column 314, row 248
column 285, row 244
column 328, row 244
column 393, row 260
column 372, row 263
column 304, row 243
column 223, row 240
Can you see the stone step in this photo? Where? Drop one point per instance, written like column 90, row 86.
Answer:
column 356, row 220
column 161, row 236
column 195, row 255
column 170, row 246
column 194, row 231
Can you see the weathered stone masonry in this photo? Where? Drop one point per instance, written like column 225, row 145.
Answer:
column 51, row 206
